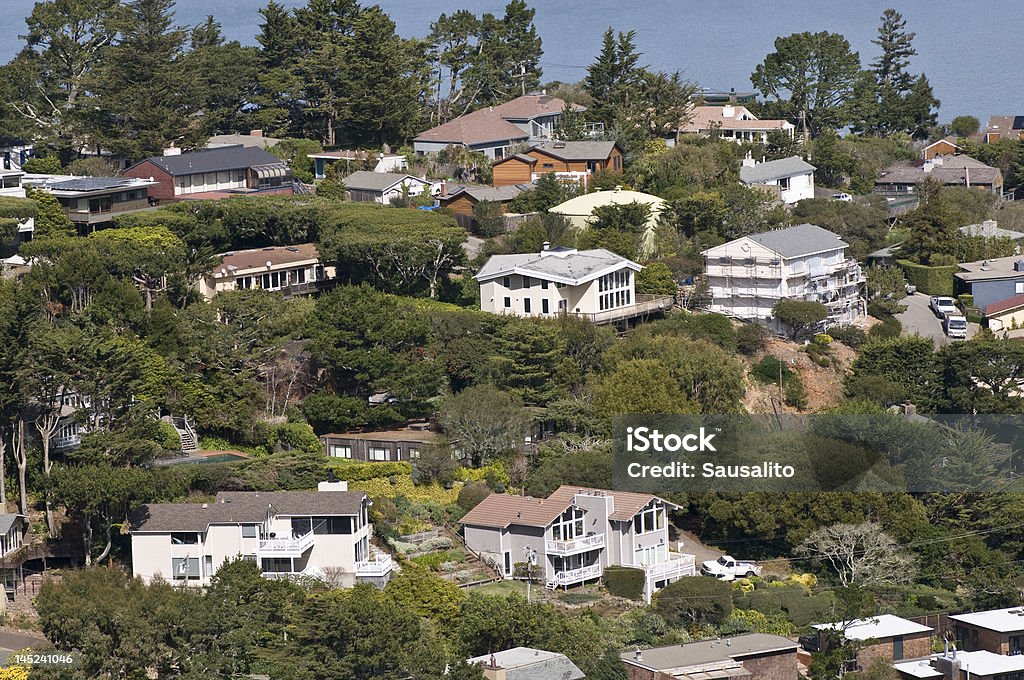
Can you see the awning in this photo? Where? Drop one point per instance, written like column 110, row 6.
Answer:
column 270, row 170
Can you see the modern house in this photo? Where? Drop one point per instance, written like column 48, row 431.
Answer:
column 13, row 530
column 998, row 631
column 324, row 533
column 461, row 199
column 571, row 536
column 901, row 179
column 788, row 179
column 291, row 270
column 592, row 284
column 371, row 160
column 579, row 211
column 90, row 202
column 947, row 146
column 384, row 187
column 754, row 656
column 979, row 665
column 494, row 130
column 732, row 122
column 991, row 281
column 213, row 173
column 11, row 185
column 1003, row 127
column 386, row 445
column 568, row 161
column 886, row 637
column 748, row 275
column 525, row 663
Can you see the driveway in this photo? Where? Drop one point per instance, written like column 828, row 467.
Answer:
column 920, row 320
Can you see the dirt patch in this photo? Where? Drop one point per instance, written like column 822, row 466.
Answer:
column 824, row 384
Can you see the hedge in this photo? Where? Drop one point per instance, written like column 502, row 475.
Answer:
column 929, row 280
column 624, row 582
column 355, row 471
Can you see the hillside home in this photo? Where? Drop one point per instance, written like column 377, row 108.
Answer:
column 92, row 202
column 579, row 211
column 1003, row 127
column 352, row 160
column 979, row 665
column 732, row 122
column 384, row 187
column 902, row 178
column 754, row 656
column 324, row 533
column 461, row 199
column 525, row 663
column 11, row 185
column 292, row 270
column 13, row 531
column 886, row 637
column 592, row 284
column 947, row 146
column 748, row 275
column 405, row 444
column 568, row 161
column 788, row 179
column 493, row 130
column 213, row 173
column 574, row 534
column 999, row 631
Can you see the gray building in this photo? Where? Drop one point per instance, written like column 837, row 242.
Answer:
column 991, row 281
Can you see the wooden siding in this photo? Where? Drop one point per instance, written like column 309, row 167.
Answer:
column 511, row 171
column 941, row 148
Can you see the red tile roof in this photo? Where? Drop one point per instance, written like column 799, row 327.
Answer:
column 1004, row 305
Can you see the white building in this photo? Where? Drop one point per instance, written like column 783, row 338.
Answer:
column 323, row 533
column 748, row 275
column 10, row 185
column 791, row 179
column 385, row 187
column 381, row 162
column 732, row 122
column 292, row 270
column 526, row 663
column 593, row 284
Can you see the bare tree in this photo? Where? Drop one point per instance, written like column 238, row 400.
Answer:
column 860, row 554
column 19, row 447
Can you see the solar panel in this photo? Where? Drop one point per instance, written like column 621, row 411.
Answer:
column 1018, row 122
column 91, row 183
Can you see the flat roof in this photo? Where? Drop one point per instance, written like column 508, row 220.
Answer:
column 984, row 662
column 386, row 436
column 996, row 268
column 536, row 664
column 706, row 652
column 875, row 627
column 918, row 668
column 1006, row 620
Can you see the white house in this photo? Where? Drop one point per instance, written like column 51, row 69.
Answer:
column 748, row 275
column 10, row 185
column 381, row 162
column 292, row 270
column 13, row 531
column 384, row 187
column 732, row 122
column 791, row 179
column 323, row 533
column 593, row 284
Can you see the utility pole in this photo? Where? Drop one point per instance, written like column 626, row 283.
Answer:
column 531, row 562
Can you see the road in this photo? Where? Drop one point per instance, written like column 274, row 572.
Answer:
column 920, row 320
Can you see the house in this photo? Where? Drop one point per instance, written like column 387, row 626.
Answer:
column 568, row 161
column 886, row 637
column 998, row 631
column 733, row 122
column 721, row 98
column 324, row 533
column 380, row 162
column 291, row 270
column 91, row 202
column 991, row 281
column 405, row 444
column 493, row 130
column 917, row 669
column 748, row 275
column 525, row 663
column 947, row 146
column 213, row 173
column 592, row 284
column 990, row 229
column 13, row 531
column 461, row 199
column 579, row 211
column 902, row 178
column 571, row 536
column 978, row 665
column 754, row 656
column 789, row 179
column 255, row 138
column 11, row 185
column 1003, row 127
column 384, row 187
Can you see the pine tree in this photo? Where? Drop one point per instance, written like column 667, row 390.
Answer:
column 610, row 78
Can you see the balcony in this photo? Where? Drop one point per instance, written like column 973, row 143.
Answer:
column 676, row 566
column 285, row 547
column 379, row 566
column 645, row 305
column 574, row 576
column 578, row 545
column 66, row 442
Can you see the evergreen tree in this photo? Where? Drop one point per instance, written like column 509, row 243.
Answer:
column 452, row 47
column 610, row 78
column 507, row 62
column 51, row 221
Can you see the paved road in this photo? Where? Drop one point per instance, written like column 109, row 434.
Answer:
column 919, row 319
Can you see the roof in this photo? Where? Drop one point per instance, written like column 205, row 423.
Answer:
column 365, row 180
column 950, row 170
column 7, row 521
column 990, row 229
column 576, row 151
column 949, row 139
column 213, row 160
column 501, row 510
column 491, row 124
column 85, row 184
column 709, row 651
column 351, row 155
column 1005, row 124
column 1016, row 302
column 774, row 170
column 919, row 668
column 625, row 504
column 235, row 507
column 257, row 258
column 259, row 141
column 584, row 205
column 500, row 194
column 568, row 266
column 425, row 436
column 802, row 239
column 525, row 663
column 1008, row 620
column 702, row 118
column 996, row 268
column 522, row 157
column 986, row 663
column 875, row 627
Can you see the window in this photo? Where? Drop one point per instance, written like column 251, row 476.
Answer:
column 250, row 530
column 526, row 305
column 184, row 538
column 506, row 281
column 784, row 183
column 568, row 526
column 332, row 525
column 1019, row 287
column 544, row 307
column 544, row 285
column 339, row 451
column 208, row 565
column 244, row 283
column 210, row 179
column 508, row 303
column 527, row 282
column 185, row 568
column 414, row 454
column 378, row 453
column 650, row 519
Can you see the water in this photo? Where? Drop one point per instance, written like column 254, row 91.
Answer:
column 971, row 59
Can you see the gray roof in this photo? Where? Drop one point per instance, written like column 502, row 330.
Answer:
column 775, row 170
column 525, row 663
column 366, row 180
column 561, row 265
column 710, row 651
column 214, row 160
column 235, row 507
column 990, row 229
column 482, row 193
column 952, row 170
column 7, row 521
column 577, row 151
column 803, row 239
column 92, row 183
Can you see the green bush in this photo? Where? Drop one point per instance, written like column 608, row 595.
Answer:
column 355, row 471
column 169, row 438
column 851, row 336
column 471, row 494
column 767, row 370
column 751, row 338
column 889, row 328
column 883, row 309
column 624, row 582
column 966, row 300
column 794, row 393
column 929, row 280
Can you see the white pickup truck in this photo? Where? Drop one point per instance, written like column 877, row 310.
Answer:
column 728, row 568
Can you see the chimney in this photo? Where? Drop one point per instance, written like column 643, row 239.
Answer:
column 928, row 164
column 748, row 161
column 728, row 111
column 172, row 151
column 444, row 188
column 255, row 133
column 1018, row 266
column 546, row 245
column 638, row 655
column 909, row 409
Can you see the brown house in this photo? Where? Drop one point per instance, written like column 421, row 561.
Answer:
column 214, row 173
column 1000, row 631
column 387, row 445
column 886, row 637
column 461, row 199
column 568, row 160
column 755, row 656
column 1004, row 127
column 943, row 147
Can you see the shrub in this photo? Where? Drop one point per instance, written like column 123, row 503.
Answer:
column 695, row 600
column 355, row 471
column 818, row 354
column 966, row 300
column 470, row 495
column 799, row 316
column 767, row 370
column 794, row 393
column 884, row 309
column 751, row 338
column 889, row 328
column 929, row 280
column 851, row 336
column 624, row 582
column 823, row 339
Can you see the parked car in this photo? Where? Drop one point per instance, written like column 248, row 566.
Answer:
column 728, row 568
column 941, row 306
column 955, row 326
column 809, row 642
column 842, row 196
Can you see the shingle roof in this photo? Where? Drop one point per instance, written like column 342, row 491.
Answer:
column 709, row 651
column 577, row 151
column 491, row 124
column 951, row 171
column 258, row 257
column 803, row 239
column 214, row 160
column 705, row 117
column 501, row 510
column 1016, row 302
column 365, row 180
column 990, row 229
column 7, row 521
column 481, row 193
column 234, row 507
column 625, row 503
column 775, row 170
column 568, row 266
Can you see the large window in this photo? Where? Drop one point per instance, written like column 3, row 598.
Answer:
column 332, row 525
column 184, row 538
column 185, row 568
column 568, row 526
column 377, row 453
column 341, row 451
column 649, row 519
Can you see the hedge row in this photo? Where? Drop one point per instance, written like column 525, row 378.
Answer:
column 929, row 280
column 355, row 471
column 624, row 582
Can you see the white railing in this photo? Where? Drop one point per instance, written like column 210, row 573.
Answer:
column 378, row 566
column 676, row 566
column 68, row 442
column 575, row 545
column 283, row 547
column 571, row 576
column 645, row 304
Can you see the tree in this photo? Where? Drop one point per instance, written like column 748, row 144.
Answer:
column 487, row 218
column 484, row 421
column 51, row 220
column 14, row 212
column 695, row 601
column 799, row 315
column 435, row 464
column 886, row 282
column 860, row 554
column 453, row 49
column 507, row 61
column 656, row 279
column 418, row 591
column 640, row 386
column 964, row 126
column 816, row 73
column 148, row 255
column 611, row 77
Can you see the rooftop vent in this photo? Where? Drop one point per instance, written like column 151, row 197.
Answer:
column 292, row 249
column 1018, row 266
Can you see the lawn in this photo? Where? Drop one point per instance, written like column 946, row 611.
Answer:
column 507, row 587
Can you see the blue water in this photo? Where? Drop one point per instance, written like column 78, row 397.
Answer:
column 972, row 58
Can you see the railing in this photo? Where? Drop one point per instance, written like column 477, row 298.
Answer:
column 380, row 565
column 61, row 443
column 575, row 545
column 571, row 576
column 676, row 566
column 283, row 547
column 305, row 288
column 645, row 304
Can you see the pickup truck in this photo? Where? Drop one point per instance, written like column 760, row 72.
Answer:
column 941, row 306
column 955, row 326
column 727, row 568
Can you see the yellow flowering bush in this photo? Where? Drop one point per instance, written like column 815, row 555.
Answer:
column 391, row 487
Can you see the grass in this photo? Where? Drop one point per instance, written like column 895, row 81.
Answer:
column 433, row 561
column 506, row 587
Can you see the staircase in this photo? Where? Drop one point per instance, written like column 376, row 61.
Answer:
column 186, row 433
